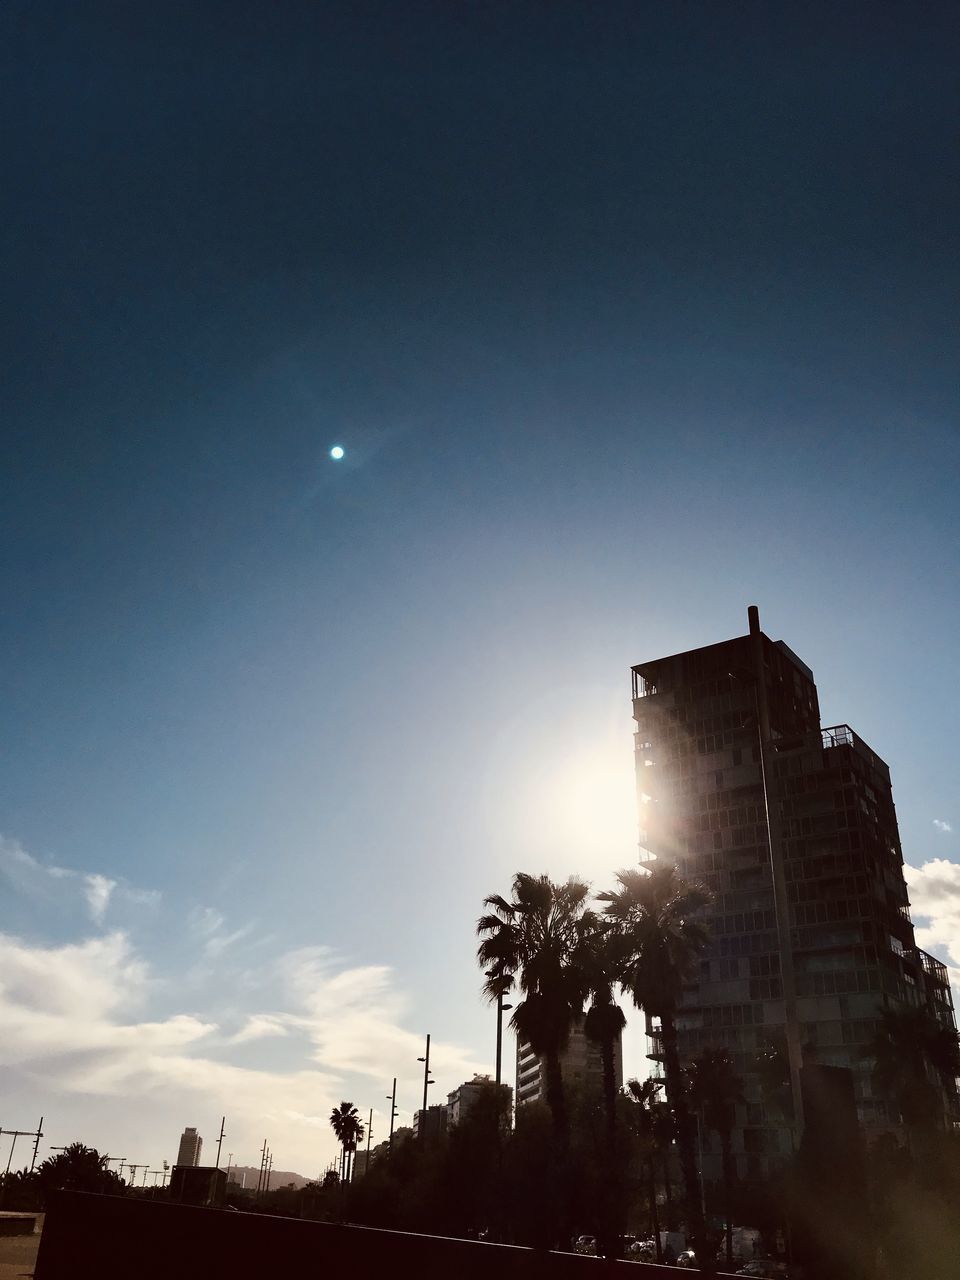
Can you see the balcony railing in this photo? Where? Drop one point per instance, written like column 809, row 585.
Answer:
column 839, row 735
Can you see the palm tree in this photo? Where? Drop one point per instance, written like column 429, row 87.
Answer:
column 596, row 959
column 78, row 1168
column 913, row 1053
column 534, row 942
column 658, row 939
column 645, row 1127
column 346, row 1124
column 715, row 1090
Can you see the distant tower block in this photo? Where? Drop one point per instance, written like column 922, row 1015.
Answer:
column 189, row 1151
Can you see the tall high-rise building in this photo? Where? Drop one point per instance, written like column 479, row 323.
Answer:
column 792, row 828
column 189, row 1150
column 580, row 1064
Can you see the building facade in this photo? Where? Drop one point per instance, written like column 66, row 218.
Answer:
column 733, row 766
column 188, row 1152
column 463, row 1099
column 431, row 1123
column 580, row 1064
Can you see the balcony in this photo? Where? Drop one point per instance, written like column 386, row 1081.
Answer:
column 643, row 685
column 841, row 735
column 933, row 968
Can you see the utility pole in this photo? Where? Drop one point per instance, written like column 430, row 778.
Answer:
column 229, row 1164
column 223, row 1121
column 393, row 1109
column 366, row 1167
column 269, row 1171
column 15, row 1134
column 263, row 1165
column 781, row 908
column 36, row 1145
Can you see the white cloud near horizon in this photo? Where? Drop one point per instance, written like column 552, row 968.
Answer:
column 935, row 905
column 79, row 1023
column 942, row 826
column 73, row 1019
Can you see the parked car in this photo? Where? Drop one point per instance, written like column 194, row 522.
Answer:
column 687, row 1259
column 585, row 1244
column 643, row 1251
column 770, row 1269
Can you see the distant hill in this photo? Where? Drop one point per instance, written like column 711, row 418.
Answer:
column 278, row 1178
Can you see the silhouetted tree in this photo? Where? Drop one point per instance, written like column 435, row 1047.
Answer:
column 533, row 940
column 715, row 1090
column 914, row 1054
column 603, row 1024
column 79, row 1168
column 345, row 1123
column 643, row 1115
column 659, row 938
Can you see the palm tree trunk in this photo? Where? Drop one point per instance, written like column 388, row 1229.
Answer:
column 696, row 1225
column 727, row 1159
column 654, row 1217
column 611, row 1209
column 667, row 1186
column 609, row 1088
column 555, row 1097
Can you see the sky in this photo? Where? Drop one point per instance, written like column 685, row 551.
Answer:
column 625, row 316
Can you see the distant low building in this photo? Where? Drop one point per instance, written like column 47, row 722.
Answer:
column 430, row 1124
column 463, row 1099
column 196, row 1184
column 581, row 1063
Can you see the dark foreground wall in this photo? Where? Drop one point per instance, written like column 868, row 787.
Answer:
column 99, row 1237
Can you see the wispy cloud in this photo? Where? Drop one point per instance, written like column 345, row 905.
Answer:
column 98, row 890
column 941, row 825
column 49, row 883
column 209, row 925
column 259, row 1027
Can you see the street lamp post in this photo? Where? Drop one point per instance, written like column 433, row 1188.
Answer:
column 393, row 1109
column 501, row 1007
column 426, row 1084
column 223, row 1121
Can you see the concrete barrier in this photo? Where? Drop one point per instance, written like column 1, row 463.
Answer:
column 98, row 1237
column 17, row 1224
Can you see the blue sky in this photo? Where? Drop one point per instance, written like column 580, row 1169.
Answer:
column 626, row 316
